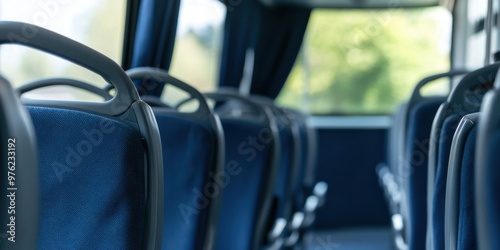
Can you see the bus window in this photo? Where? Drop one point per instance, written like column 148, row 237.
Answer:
column 365, row 62
column 98, row 24
column 196, row 57
column 477, row 39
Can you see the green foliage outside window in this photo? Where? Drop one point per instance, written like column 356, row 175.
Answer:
column 366, row 62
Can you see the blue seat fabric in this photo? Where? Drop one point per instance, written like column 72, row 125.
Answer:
column 492, row 177
column 438, row 205
column 248, row 168
column 467, row 237
column 189, row 158
column 285, row 179
column 420, row 121
column 92, row 185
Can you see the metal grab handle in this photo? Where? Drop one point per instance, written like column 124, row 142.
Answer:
column 45, row 40
column 161, row 76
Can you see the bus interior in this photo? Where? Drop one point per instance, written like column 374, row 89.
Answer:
column 250, row 124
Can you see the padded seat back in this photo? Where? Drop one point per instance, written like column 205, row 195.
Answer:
column 405, row 177
column 439, row 194
column 397, row 134
column 288, row 166
column 464, row 98
column 305, row 178
column 289, row 159
column 193, row 164
column 82, row 189
column 459, row 223
column 467, row 233
column 414, row 168
column 487, row 172
column 19, row 170
column 252, row 150
column 307, row 195
column 101, row 181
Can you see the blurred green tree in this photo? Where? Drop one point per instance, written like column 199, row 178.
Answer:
column 365, row 62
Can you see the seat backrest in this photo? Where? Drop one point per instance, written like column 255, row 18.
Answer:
column 193, row 164
column 306, row 176
column 402, row 116
column 487, row 172
column 19, row 169
column 289, row 161
column 308, row 195
column 310, row 177
column 467, row 233
column 464, row 98
column 396, row 139
column 459, row 223
column 388, row 171
column 289, row 136
column 101, row 180
column 437, row 201
column 409, row 138
column 414, row 170
column 403, row 175
column 252, row 154
column 398, row 131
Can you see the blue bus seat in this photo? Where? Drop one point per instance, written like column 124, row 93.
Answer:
column 101, row 181
column 193, row 150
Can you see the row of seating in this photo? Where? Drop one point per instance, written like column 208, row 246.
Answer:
column 435, row 178
column 257, row 180
column 134, row 172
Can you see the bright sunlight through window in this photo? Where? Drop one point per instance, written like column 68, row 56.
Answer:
column 98, row 24
column 198, row 44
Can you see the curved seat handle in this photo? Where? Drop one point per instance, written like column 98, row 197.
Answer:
column 154, row 101
column 224, row 94
column 416, row 96
column 265, row 112
column 161, row 76
column 104, row 93
column 229, row 95
column 45, row 40
column 483, row 77
column 453, row 185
